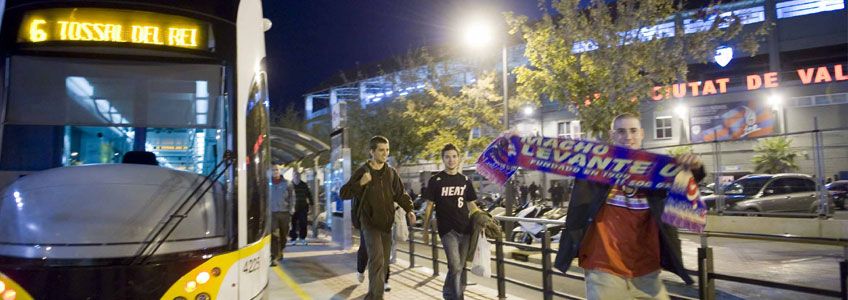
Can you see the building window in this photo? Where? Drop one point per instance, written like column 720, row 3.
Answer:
column 569, row 130
column 663, row 128
column 818, row 100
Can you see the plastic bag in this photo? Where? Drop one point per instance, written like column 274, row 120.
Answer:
column 401, row 230
column 482, row 264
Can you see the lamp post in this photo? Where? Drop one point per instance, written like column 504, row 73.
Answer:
column 477, row 35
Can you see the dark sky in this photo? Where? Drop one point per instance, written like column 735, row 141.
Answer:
column 312, row 40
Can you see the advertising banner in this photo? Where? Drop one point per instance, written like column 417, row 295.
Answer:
column 730, row 121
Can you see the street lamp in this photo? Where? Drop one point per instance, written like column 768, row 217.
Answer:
column 480, row 34
column 776, row 103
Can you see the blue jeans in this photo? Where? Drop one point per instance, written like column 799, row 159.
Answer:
column 603, row 285
column 456, row 250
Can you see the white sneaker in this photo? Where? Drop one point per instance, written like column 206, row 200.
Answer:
column 291, row 243
column 360, row 277
column 386, row 287
column 302, row 242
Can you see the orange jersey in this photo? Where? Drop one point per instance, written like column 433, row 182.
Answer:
column 624, row 239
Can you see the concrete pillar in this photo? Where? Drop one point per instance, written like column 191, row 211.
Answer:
column 774, row 37
column 315, row 186
column 363, row 88
column 308, row 107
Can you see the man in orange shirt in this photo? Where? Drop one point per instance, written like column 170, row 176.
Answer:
column 616, row 232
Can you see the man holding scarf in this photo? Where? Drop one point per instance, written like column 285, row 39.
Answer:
column 616, row 231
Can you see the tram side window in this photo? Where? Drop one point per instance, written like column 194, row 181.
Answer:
column 258, row 159
column 74, row 112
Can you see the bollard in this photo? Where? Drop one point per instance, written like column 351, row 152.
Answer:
column 706, row 285
column 434, row 233
column 499, row 267
column 843, row 279
column 411, row 247
column 547, row 267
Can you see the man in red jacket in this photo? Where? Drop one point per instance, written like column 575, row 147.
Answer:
column 616, row 232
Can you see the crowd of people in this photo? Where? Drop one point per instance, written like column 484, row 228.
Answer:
column 614, row 232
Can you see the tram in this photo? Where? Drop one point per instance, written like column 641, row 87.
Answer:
column 134, row 150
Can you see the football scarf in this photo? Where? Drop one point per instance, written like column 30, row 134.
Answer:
column 599, row 162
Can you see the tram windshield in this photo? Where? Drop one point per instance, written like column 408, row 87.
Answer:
column 85, row 111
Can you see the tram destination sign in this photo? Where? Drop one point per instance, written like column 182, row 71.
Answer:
column 118, row 26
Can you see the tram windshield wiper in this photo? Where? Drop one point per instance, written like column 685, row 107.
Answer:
column 183, row 210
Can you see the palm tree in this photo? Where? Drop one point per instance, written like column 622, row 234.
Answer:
column 775, row 156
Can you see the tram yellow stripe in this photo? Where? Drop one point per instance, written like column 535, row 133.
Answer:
column 292, row 284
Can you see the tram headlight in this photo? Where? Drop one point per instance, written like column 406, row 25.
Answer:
column 189, row 287
column 9, row 295
column 216, row 271
column 203, row 296
column 2, row 286
column 203, row 277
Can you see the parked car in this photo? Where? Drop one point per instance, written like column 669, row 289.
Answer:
column 786, row 192
column 707, row 189
column 839, row 191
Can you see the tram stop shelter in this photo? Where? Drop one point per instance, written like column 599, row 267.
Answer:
column 289, row 147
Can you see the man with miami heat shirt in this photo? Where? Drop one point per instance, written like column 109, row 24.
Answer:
column 453, row 195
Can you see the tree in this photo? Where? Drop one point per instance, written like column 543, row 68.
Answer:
column 289, row 118
column 448, row 116
column 680, row 150
column 601, row 59
column 292, row 119
column 386, row 119
column 775, row 156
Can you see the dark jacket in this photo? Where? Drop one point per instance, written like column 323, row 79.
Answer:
column 481, row 222
column 303, row 196
column 586, row 200
column 373, row 202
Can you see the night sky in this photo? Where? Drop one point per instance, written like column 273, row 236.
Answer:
column 312, row 40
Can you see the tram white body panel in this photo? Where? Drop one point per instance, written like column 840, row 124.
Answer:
column 250, row 40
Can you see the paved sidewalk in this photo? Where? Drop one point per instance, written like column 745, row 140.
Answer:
column 322, row 271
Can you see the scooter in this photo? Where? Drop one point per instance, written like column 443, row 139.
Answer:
column 526, row 231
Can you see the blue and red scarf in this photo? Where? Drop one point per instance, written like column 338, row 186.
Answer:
column 599, row 162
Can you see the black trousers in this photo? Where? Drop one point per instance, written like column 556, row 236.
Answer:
column 299, row 224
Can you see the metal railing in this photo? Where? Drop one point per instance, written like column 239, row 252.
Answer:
column 705, row 273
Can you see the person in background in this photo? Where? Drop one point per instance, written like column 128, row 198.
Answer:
column 533, row 190
column 282, row 204
column 556, row 192
column 303, row 203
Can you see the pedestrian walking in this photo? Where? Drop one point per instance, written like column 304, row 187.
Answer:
column 453, row 196
column 616, row 231
column 303, row 203
column 524, row 192
column 375, row 187
column 534, row 191
column 556, row 192
column 282, row 204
